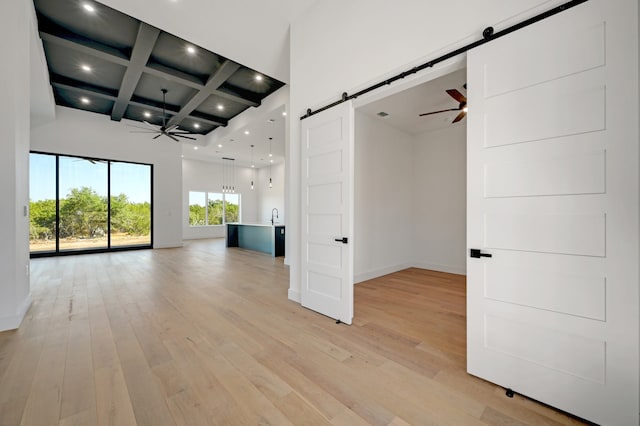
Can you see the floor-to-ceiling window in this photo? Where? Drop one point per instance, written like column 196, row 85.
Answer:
column 80, row 204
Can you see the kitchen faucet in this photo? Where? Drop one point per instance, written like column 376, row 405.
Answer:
column 273, row 210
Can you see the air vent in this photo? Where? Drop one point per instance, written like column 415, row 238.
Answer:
column 382, row 114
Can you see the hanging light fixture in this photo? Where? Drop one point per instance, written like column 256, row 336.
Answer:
column 224, row 175
column 270, row 162
column 228, row 175
column 252, row 166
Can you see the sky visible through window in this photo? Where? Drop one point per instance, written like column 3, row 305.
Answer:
column 77, row 172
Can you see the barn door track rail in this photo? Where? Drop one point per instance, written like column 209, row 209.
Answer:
column 487, row 36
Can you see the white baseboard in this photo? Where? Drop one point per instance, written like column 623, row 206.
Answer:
column 294, row 295
column 364, row 276
column 12, row 322
column 459, row 270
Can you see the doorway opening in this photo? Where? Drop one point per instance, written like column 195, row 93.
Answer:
column 410, row 181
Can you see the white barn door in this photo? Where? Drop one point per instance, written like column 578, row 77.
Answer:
column 327, row 212
column 553, row 198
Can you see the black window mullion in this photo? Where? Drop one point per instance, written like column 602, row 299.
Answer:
column 57, row 204
column 108, row 204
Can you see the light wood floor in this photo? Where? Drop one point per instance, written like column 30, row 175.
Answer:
column 204, row 335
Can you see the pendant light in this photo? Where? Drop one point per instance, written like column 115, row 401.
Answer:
column 224, row 175
column 270, row 163
column 228, row 175
column 252, row 166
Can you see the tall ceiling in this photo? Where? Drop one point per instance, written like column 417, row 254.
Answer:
column 104, row 61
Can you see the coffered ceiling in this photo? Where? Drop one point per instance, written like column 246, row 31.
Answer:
column 104, row 61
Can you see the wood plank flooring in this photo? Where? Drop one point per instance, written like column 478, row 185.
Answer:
column 205, row 335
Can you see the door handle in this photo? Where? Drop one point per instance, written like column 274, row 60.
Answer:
column 343, row 240
column 478, row 254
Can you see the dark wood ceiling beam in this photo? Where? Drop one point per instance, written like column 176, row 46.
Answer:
column 116, row 56
column 235, row 98
column 208, row 118
column 90, row 48
column 94, row 92
column 225, row 71
column 145, row 42
column 174, row 75
column 83, row 90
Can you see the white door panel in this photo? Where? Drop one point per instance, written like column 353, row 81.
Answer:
column 552, row 193
column 327, row 212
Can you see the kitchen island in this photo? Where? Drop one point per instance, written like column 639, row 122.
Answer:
column 266, row 238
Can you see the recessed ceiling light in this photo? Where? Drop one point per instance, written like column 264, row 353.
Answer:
column 85, row 100
column 246, row 132
column 284, row 113
column 147, row 114
column 85, row 67
column 219, row 145
column 258, row 77
column 197, row 126
column 88, row 7
column 195, row 147
column 191, row 50
column 220, row 107
column 271, row 161
column 271, row 121
column 182, row 156
column 270, row 155
column 253, row 165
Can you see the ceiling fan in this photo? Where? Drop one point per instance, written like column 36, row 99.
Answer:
column 462, row 105
column 164, row 130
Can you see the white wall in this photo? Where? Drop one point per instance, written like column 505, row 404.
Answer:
column 253, row 33
column 410, row 199
column 15, row 25
column 384, row 192
column 204, row 176
column 369, row 40
column 84, row 133
column 269, row 198
column 440, row 201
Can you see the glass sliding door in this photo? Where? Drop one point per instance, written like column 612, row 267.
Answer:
column 130, row 204
column 83, row 203
column 80, row 204
column 42, row 203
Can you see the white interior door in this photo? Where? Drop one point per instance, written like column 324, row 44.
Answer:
column 327, row 212
column 553, row 197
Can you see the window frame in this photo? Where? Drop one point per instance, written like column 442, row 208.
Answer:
column 219, row 195
column 60, row 252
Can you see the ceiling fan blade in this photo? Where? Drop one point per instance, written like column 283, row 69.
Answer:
column 156, row 137
column 457, row 95
column 183, row 133
column 438, row 112
column 459, row 117
column 144, row 131
column 172, row 137
column 170, row 128
column 182, row 136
